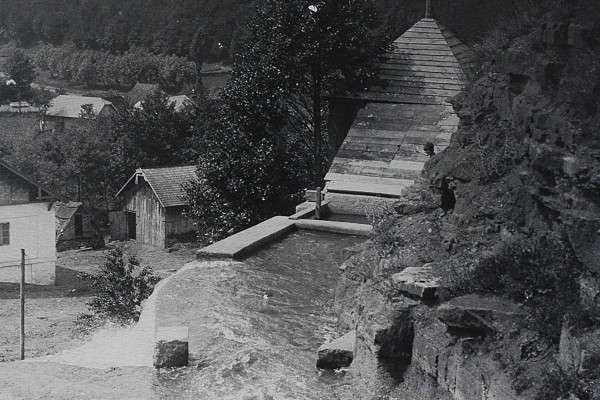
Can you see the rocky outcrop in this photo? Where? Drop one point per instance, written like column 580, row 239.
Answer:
column 469, row 280
column 338, row 353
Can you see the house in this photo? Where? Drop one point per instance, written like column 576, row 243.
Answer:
column 27, row 221
column 380, row 132
column 65, row 111
column 75, row 225
column 153, row 203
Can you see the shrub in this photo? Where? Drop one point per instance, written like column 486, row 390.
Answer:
column 539, row 272
column 120, row 287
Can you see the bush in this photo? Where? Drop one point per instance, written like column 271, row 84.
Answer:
column 120, row 287
column 539, row 272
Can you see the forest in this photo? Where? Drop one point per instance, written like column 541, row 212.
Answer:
column 210, row 30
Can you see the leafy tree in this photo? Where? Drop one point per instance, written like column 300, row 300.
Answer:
column 155, row 135
column 120, row 287
column 296, row 52
column 20, row 69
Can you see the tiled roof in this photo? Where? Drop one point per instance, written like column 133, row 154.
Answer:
column 167, row 183
column 69, row 106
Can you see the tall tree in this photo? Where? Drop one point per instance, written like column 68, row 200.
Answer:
column 298, row 51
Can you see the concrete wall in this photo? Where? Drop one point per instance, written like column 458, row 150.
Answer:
column 32, row 227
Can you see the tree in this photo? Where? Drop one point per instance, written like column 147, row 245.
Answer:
column 155, row 134
column 20, row 69
column 298, row 51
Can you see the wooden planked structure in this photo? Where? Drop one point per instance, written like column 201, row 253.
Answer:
column 404, row 109
column 156, row 197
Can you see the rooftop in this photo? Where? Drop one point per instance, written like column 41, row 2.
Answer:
column 69, row 106
column 166, row 183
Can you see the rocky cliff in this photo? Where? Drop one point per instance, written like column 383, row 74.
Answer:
column 484, row 281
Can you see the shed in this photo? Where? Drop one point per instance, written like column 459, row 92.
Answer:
column 153, row 203
column 382, row 129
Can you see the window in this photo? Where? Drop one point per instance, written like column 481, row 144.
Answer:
column 4, row 234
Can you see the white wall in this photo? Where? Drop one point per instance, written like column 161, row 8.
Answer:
column 32, row 227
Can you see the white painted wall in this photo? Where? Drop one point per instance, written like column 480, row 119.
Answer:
column 32, row 227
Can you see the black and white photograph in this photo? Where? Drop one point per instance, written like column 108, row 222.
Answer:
column 300, row 199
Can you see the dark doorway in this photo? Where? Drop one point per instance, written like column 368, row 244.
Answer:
column 131, row 234
column 78, row 225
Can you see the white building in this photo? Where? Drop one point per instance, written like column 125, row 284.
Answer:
column 27, row 221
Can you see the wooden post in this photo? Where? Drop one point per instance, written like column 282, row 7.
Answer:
column 22, row 304
column 428, row 9
column 318, row 204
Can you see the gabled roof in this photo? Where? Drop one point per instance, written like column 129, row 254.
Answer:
column 69, row 106
column 179, row 102
column 64, row 213
column 24, row 177
column 408, row 107
column 166, row 183
column 426, row 65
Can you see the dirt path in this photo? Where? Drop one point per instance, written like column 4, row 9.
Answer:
column 51, row 311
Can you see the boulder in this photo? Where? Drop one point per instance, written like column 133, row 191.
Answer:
column 338, row 353
column 417, row 281
column 171, row 347
column 477, row 313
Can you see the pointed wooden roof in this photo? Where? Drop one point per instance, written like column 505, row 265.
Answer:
column 407, row 108
column 426, row 65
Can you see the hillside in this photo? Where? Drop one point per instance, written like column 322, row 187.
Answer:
column 504, row 225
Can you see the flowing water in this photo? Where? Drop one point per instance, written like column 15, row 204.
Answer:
column 254, row 326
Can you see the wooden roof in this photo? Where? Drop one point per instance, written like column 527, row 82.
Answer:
column 406, row 108
column 166, row 183
column 426, row 65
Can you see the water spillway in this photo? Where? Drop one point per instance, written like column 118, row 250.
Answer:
column 255, row 326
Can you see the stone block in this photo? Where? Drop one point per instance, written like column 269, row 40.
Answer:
column 171, row 347
column 477, row 313
column 418, row 281
column 338, row 353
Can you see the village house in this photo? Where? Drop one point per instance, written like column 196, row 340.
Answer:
column 65, row 111
column 153, row 203
column 27, row 221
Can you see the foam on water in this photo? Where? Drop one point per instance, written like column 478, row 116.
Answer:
column 117, row 346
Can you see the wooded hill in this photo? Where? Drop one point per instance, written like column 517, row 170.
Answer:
column 201, row 29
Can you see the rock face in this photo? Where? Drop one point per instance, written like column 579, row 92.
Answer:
column 477, row 313
column 171, row 348
column 338, row 353
column 417, row 281
column 580, row 352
